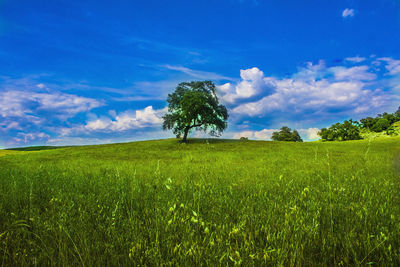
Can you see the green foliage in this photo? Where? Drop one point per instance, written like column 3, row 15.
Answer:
column 397, row 114
column 286, row 134
column 381, row 125
column 195, row 105
column 206, row 203
column 348, row 130
column 368, row 122
column 392, row 130
column 382, row 122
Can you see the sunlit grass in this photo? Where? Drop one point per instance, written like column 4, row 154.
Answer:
column 8, row 152
column 206, row 202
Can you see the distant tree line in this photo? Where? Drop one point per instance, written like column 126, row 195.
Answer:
column 350, row 130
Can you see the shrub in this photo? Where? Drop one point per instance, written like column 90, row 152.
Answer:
column 391, row 131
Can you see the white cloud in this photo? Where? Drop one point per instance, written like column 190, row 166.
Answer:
column 309, row 134
column 348, row 13
column 29, row 113
column 253, row 83
column 392, row 65
column 354, row 73
column 247, row 134
column 297, row 95
column 225, row 88
column 355, row 59
column 12, row 104
column 10, row 125
column 361, row 109
column 24, row 103
column 128, row 120
column 28, row 137
column 99, row 124
column 65, row 103
column 314, row 88
column 264, row 134
column 311, row 71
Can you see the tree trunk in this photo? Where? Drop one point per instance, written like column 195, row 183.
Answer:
column 185, row 134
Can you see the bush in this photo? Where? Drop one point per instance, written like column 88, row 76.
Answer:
column 391, row 131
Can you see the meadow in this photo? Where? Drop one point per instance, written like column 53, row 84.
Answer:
column 209, row 202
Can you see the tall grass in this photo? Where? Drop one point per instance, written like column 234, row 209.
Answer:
column 204, row 203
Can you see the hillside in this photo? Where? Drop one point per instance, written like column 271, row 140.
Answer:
column 367, row 134
column 7, row 152
column 208, row 202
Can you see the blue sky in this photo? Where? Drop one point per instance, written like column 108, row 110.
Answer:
column 86, row 72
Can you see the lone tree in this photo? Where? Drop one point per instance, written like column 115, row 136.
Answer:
column 286, row 134
column 195, row 105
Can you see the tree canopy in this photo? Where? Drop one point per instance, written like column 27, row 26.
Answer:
column 286, row 134
column 380, row 123
column 195, row 105
column 348, row 130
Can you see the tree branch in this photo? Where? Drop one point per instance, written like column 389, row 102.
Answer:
column 195, row 125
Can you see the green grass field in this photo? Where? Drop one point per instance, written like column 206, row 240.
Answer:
column 203, row 203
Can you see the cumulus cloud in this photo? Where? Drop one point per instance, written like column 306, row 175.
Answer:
column 128, row 120
column 309, row 134
column 315, row 88
column 253, row 83
column 348, row 12
column 298, row 95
